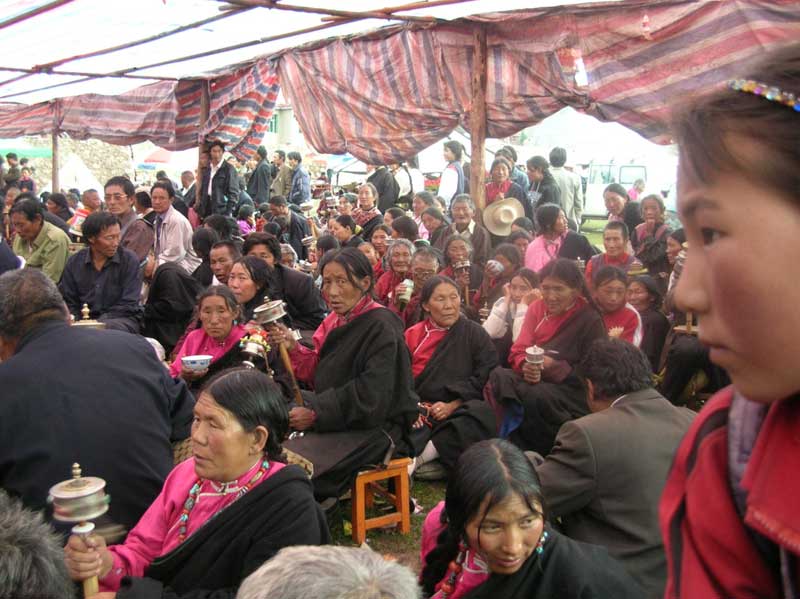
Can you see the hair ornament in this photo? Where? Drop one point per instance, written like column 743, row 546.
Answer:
column 771, row 93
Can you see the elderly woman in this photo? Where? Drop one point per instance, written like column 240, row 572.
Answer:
column 451, row 358
column 221, row 513
column 555, row 240
column 643, row 294
column 363, row 403
column 621, row 208
column 500, row 185
column 490, row 538
column 458, row 250
column 650, row 240
column 610, row 294
column 344, row 228
column 538, row 398
column 367, row 215
column 398, row 261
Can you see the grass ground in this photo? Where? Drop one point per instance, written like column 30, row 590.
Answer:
column 403, row 548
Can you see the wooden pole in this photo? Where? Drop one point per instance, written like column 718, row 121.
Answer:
column 205, row 107
column 477, row 118
column 55, row 183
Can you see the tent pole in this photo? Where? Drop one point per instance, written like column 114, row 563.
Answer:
column 55, row 184
column 205, row 103
column 477, row 118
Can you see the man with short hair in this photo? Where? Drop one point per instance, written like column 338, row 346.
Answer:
column 91, row 200
column 260, row 179
column 282, row 181
column 137, row 233
column 296, row 226
column 173, row 232
column 222, row 194
column 75, row 394
column 13, row 172
column 606, row 472
column 463, row 212
column 300, row 192
column 39, row 243
column 570, row 185
column 105, row 276
column 187, row 187
column 223, row 255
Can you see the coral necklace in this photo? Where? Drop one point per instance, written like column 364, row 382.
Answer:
column 191, row 500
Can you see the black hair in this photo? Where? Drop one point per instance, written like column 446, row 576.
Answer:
column 406, row 227
column 166, row 186
column 224, row 226
column 453, row 238
column 60, row 200
column 225, row 293
column 126, row 184
column 11, row 156
column 261, row 151
column 395, row 211
column 493, row 469
column 142, row 198
column 524, row 222
column 96, row 222
column 327, row 242
column 530, row 276
column 353, row 198
column 617, row 189
column 558, row 157
column 512, row 153
column 567, row 271
column 425, row 196
column 538, row 163
column 520, row 235
column 618, row 225
column 277, row 200
column 245, row 212
column 502, row 161
column 281, row 153
column 455, row 147
column 202, row 241
column 267, row 239
column 431, row 284
column 615, row 368
column 255, row 400
column 510, row 252
column 27, row 298
column 272, row 228
column 678, row 235
column 161, row 175
column 609, row 273
column 233, row 248
column 355, row 264
column 347, row 221
column 30, row 208
column 655, row 198
column 649, row 283
column 435, row 213
column 216, row 143
column 381, row 227
column 294, row 156
column 26, row 195
column 258, row 270
column 546, row 217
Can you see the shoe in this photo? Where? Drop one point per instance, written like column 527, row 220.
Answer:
column 431, row 471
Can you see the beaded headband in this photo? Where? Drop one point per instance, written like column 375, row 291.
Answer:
column 773, row 94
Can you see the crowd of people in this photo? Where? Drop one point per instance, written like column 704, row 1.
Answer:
column 548, row 381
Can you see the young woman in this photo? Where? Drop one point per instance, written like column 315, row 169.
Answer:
column 610, row 294
column 380, row 240
column 650, row 240
column 367, row 215
column 738, row 182
column 422, row 201
column 555, row 240
column 645, row 297
column 544, row 188
column 537, row 399
column 453, row 181
column 508, row 312
column 246, row 220
column 344, row 229
column 489, row 538
column 520, row 239
column 434, row 223
column 391, row 214
column 621, row 208
column 451, row 358
column 249, row 281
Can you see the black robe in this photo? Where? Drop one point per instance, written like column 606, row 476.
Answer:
column 457, row 370
column 364, row 396
column 170, row 304
column 655, row 328
column 549, row 404
column 213, row 562
column 566, row 569
column 304, row 303
column 576, row 246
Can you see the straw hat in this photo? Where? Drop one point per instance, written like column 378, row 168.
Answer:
column 498, row 216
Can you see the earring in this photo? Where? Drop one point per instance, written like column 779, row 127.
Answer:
column 540, row 544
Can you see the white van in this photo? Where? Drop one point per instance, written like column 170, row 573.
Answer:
column 601, row 176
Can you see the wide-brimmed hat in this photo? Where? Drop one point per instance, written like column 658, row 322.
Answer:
column 499, row 216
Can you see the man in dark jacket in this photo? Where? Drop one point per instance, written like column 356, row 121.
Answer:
column 386, row 184
column 73, row 394
column 606, row 472
column 296, row 226
column 260, row 179
column 222, row 194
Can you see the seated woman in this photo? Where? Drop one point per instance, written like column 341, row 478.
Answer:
column 451, row 358
column 344, row 228
column 421, row 201
column 369, row 251
column 650, row 240
column 249, row 281
column 435, row 223
column 645, row 297
column 219, row 334
column 398, row 263
column 521, row 240
column 500, row 185
column 538, row 399
column 404, row 227
column 380, row 241
column 202, row 242
column 347, row 204
column 391, row 214
column 458, row 250
column 555, row 240
column 304, row 304
column 496, row 278
column 424, row 265
column 363, row 403
column 221, row 513
column 610, row 294
column 615, row 242
column 621, row 208
column 367, row 215
column 508, row 312
column 489, row 538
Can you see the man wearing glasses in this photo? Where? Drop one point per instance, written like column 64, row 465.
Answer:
column 137, row 233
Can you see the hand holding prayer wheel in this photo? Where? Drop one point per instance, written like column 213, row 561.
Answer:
column 280, row 333
column 86, row 557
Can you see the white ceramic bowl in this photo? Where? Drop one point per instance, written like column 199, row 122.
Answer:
column 196, row 363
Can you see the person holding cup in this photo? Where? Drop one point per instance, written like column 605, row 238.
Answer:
column 650, row 240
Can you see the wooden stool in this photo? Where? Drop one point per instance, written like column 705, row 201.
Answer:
column 364, row 489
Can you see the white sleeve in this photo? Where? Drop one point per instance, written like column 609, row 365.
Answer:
column 519, row 318
column 448, row 184
column 496, row 324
